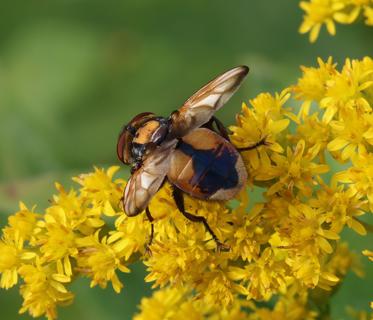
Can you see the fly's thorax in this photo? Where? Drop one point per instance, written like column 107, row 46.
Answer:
column 150, row 131
column 148, row 136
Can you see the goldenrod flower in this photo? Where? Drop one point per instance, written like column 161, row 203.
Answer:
column 312, row 85
column 293, row 305
column 319, row 12
column 178, row 304
column 100, row 259
column 359, row 177
column 315, row 133
column 354, row 134
column 11, row 250
column 262, row 279
column 99, row 188
column 352, row 10
column 341, row 207
column 170, row 303
column 344, row 260
column 266, row 120
column 24, row 222
column 250, row 233
column 77, row 211
column 43, row 289
column 345, row 91
column 58, row 240
column 296, row 171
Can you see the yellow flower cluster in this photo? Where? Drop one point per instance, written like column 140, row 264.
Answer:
column 285, row 248
column 369, row 254
column 319, row 12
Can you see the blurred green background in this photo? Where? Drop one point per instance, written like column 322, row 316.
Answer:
column 73, row 72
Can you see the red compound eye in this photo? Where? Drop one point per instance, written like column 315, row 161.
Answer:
column 124, row 145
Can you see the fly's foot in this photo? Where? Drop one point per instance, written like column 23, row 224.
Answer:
column 221, row 247
column 148, row 251
column 261, row 142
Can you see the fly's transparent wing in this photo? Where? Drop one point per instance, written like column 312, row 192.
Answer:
column 200, row 107
column 147, row 180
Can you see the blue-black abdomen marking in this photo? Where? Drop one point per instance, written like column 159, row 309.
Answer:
column 214, row 169
column 207, row 166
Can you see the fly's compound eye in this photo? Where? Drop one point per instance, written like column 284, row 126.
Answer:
column 122, row 146
column 127, row 135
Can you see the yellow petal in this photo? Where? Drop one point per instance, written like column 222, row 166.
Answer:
column 368, row 134
column 275, row 147
column 61, row 278
column 348, row 152
column 356, row 226
column 111, row 171
column 315, row 32
column 236, row 273
column 67, row 266
column 114, row 237
column 280, row 125
column 240, row 289
column 329, row 114
column 325, row 245
column 329, row 234
column 58, row 286
column 330, row 26
column 305, row 27
column 329, row 276
column 28, row 255
column 337, row 144
column 108, row 209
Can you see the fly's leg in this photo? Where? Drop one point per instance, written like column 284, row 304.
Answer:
column 222, row 131
column 261, row 142
column 179, row 200
column 151, row 220
column 220, row 128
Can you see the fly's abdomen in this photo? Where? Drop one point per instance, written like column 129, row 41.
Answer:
column 207, row 166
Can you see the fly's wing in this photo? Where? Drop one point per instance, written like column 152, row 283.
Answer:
column 147, row 180
column 200, row 107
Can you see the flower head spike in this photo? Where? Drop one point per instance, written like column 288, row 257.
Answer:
column 285, row 257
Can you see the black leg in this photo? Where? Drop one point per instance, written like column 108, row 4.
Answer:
column 151, row 219
column 179, row 200
column 262, row 142
column 220, row 129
